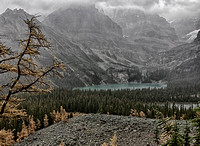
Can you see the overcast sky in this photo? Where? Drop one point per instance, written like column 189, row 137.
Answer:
column 169, row 9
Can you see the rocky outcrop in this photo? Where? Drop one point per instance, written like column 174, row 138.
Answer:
column 197, row 40
column 95, row 129
column 12, row 25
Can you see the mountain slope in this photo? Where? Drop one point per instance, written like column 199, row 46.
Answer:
column 102, row 39
column 184, row 63
column 190, row 37
column 144, row 28
column 13, row 28
column 93, row 47
column 82, row 21
column 94, row 57
column 184, row 26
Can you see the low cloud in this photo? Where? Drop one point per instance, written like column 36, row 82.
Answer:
column 142, row 3
column 42, row 7
column 170, row 9
column 173, row 9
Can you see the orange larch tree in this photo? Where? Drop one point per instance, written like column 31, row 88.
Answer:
column 23, row 69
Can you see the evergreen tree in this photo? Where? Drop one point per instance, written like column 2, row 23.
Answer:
column 176, row 138
column 186, row 136
column 196, row 123
column 156, row 135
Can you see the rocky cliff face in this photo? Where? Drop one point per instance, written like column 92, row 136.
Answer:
column 197, row 40
column 101, row 39
column 144, row 28
column 184, row 26
column 12, row 26
column 184, row 63
column 83, row 22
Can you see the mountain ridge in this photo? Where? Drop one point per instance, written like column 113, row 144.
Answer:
column 95, row 57
column 138, row 26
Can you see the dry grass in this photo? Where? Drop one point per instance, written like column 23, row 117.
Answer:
column 135, row 113
column 62, row 143
column 46, row 123
column 62, row 115
column 113, row 141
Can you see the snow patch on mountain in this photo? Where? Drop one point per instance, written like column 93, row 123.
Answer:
column 192, row 35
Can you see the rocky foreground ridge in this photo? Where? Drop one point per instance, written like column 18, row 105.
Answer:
column 95, row 129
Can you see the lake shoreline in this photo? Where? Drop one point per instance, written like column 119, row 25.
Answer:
column 131, row 86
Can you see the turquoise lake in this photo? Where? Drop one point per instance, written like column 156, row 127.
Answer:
column 131, row 86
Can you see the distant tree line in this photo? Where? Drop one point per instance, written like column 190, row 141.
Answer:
column 148, row 77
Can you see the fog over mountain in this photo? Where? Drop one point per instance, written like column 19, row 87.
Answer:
column 170, row 9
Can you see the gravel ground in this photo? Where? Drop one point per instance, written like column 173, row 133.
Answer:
column 94, row 130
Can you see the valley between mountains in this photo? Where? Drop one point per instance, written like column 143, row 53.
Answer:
column 110, row 46
column 99, row 46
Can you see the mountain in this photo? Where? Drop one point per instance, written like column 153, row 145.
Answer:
column 190, row 37
column 93, row 46
column 13, row 28
column 184, row 63
column 198, row 24
column 184, row 26
column 97, row 53
column 82, row 22
column 140, row 27
column 197, row 40
column 102, row 41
